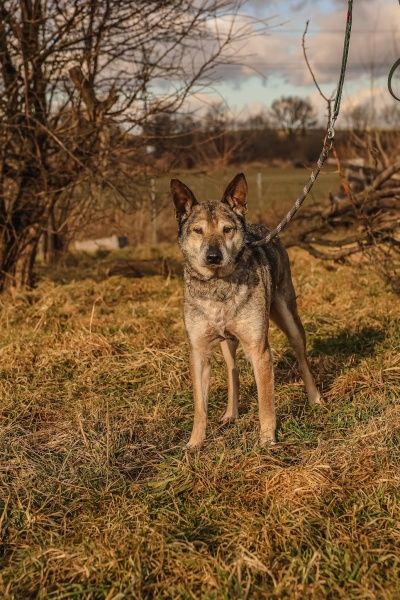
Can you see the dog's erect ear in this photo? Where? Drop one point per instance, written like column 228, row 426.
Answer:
column 236, row 194
column 183, row 198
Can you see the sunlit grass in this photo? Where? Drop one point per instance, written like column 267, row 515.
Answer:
column 98, row 496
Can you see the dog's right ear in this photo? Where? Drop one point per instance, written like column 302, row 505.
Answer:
column 183, row 198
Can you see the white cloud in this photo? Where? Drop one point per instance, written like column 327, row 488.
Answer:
column 375, row 44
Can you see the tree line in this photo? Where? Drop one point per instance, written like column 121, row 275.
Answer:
column 288, row 131
column 215, row 139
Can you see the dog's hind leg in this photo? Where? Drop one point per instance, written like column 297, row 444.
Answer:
column 284, row 314
column 229, row 348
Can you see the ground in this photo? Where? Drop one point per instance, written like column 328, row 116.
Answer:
column 100, row 500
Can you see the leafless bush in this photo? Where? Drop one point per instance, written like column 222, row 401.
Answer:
column 361, row 221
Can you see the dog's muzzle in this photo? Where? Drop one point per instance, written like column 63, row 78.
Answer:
column 213, row 256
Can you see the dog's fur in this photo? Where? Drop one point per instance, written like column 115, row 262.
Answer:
column 231, row 290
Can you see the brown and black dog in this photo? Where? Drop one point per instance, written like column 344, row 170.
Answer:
column 230, row 291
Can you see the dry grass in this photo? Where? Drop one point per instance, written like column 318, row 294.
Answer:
column 98, row 497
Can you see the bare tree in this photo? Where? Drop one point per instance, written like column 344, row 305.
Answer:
column 293, row 115
column 77, row 77
column 358, row 117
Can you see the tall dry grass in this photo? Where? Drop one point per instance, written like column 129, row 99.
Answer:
column 99, row 500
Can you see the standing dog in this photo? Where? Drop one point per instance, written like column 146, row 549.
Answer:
column 230, row 292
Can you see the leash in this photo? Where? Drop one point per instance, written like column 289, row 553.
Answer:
column 327, row 143
column 390, row 77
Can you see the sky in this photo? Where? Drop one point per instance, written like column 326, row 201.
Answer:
column 271, row 65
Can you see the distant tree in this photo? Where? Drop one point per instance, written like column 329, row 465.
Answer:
column 293, row 114
column 221, row 140
column 216, row 119
column 358, row 117
column 257, row 122
column 158, row 132
column 171, row 136
column 390, row 116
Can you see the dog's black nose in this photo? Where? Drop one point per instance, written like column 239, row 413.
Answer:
column 213, row 256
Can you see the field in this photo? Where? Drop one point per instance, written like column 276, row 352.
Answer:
column 99, row 499
column 271, row 192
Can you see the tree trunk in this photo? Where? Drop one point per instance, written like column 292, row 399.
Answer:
column 55, row 242
column 17, row 263
column 54, row 246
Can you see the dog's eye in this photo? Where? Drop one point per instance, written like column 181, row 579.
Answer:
column 227, row 229
column 198, row 230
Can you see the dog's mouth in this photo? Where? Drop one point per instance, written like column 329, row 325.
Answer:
column 222, row 269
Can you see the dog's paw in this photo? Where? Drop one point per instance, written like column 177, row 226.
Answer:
column 228, row 418
column 194, row 444
column 267, row 439
column 316, row 400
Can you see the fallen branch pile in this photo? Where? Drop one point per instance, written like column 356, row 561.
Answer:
column 364, row 222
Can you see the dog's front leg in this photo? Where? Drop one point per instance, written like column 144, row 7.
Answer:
column 229, row 348
column 200, row 368
column 264, row 374
column 261, row 360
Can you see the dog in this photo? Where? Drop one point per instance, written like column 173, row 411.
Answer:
column 231, row 290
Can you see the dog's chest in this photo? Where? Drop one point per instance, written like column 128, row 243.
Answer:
column 219, row 314
column 220, row 308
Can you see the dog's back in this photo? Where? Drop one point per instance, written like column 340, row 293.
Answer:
column 274, row 257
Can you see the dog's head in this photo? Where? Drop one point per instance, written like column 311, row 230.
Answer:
column 211, row 233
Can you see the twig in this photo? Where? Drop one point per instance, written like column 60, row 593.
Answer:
column 323, row 96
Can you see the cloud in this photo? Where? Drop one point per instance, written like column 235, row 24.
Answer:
column 375, row 44
column 261, row 6
column 375, row 41
column 364, row 97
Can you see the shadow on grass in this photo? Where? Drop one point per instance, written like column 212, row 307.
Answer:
column 358, row 344
column 329, row 357
column 329, row 354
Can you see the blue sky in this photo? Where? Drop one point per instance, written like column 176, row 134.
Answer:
column 277, row 55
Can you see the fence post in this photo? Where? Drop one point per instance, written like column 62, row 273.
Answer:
column 259, row 186
column 153, row 210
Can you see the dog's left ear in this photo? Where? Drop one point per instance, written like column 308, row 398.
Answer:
column 236, row 194
column 183, row 198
